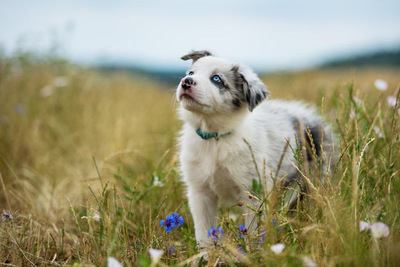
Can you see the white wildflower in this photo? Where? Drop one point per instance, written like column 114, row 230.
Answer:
column 379, row 132
column 7, row 216
column 155, row 255
column 113, row 262
column 278, row 248
column 363, row 226
column 60, row 81
column 379, row 230
column 308, row 262
column 157, row 182
column 353, row 114
column 46, row 91
column 381, row 85
column 96, row 216
column 391, row 100
column 233, row 217
column 358, row 101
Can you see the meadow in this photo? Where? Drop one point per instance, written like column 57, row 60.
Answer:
column 88, row 168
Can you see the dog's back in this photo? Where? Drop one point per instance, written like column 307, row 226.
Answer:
column 296, row 122
column 315, row 142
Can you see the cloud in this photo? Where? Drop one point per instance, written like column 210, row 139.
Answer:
column 265, row 34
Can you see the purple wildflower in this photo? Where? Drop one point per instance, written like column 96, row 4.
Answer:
column 241, row 250
column 172, row 221
column 242, row 230
column 215, row 233
column 20, row 109
column 171, row 250
column 261, row 238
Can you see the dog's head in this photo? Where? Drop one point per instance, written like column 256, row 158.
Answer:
column 214, row 86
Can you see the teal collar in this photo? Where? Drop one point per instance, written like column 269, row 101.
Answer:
column 208, row 135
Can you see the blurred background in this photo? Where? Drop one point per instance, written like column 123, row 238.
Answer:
column 152, row 35
column 87, row 84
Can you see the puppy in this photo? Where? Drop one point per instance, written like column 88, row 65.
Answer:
column 229, row 133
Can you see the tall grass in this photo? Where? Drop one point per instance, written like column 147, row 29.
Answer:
column 88, row 168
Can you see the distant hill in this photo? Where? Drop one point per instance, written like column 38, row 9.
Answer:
column 172, row 76
column 379, row 58
column 169, row 76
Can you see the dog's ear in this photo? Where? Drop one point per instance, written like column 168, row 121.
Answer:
column 195, row 55
column 253, row 89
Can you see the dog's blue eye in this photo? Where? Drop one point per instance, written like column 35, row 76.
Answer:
column 216, row 79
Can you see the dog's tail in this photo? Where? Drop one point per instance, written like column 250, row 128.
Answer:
column 316, row 153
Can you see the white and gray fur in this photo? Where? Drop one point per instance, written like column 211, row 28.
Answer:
column 220, row 171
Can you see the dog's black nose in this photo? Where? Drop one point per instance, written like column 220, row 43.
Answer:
column 187, row 83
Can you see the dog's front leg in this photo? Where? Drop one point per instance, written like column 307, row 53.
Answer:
column 203, row 206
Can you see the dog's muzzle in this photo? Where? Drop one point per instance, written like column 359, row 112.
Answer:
column 187, row 83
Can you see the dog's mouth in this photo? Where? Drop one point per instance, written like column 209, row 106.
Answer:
column 186, row 96
column 190, row 99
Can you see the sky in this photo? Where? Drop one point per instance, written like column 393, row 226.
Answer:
column 282, row 34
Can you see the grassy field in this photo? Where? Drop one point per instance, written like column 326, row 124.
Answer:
column 88, row 168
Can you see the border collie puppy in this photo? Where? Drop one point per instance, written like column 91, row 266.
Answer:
column 230, row 133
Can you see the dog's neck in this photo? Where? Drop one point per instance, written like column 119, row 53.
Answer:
column 220, row 123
